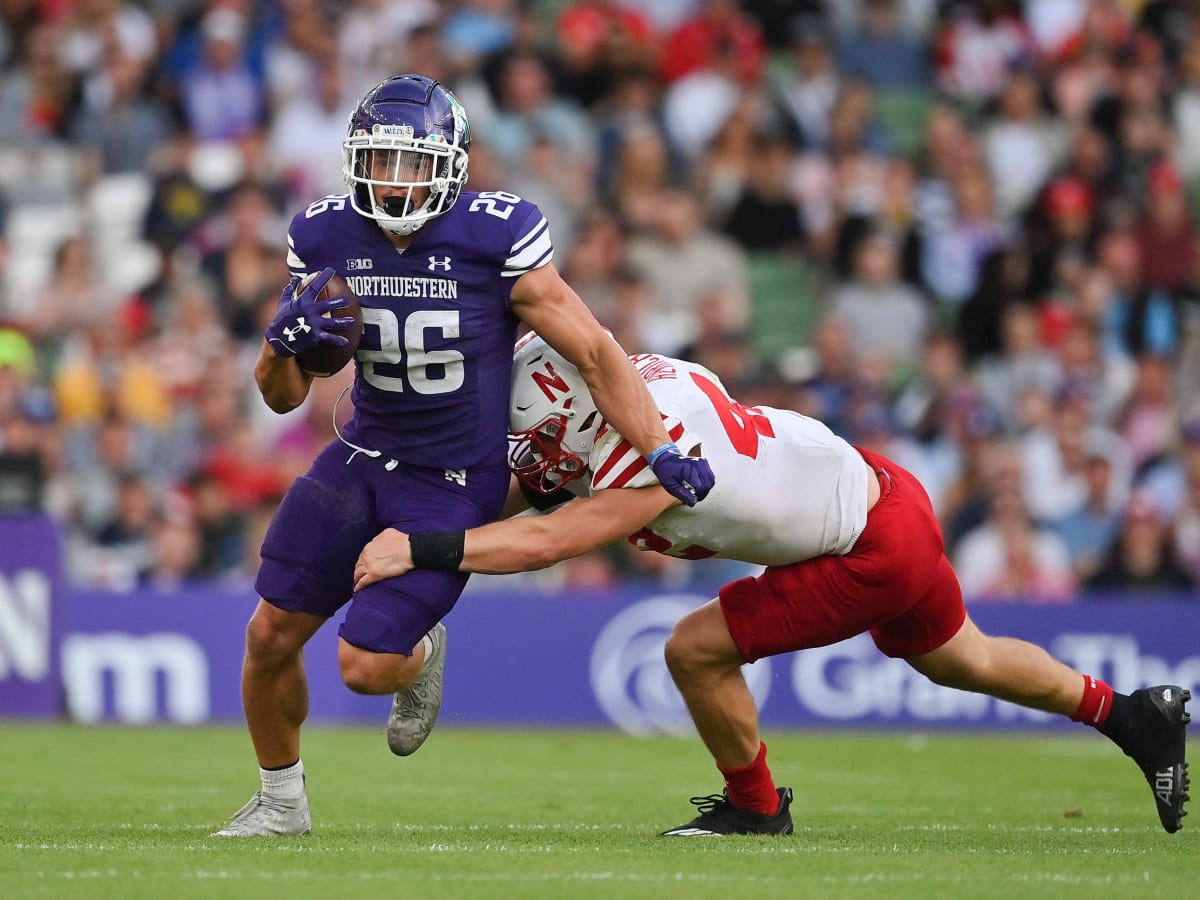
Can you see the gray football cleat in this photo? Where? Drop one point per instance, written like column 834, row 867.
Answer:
column 415, row 709
column 268, row 816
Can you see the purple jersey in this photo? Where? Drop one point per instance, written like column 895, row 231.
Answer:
column 432, row 370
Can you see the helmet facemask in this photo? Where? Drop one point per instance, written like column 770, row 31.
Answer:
column 419, row 178
column 538, row 458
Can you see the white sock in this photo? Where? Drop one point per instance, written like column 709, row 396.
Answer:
column 427, row 643
column 285, row 783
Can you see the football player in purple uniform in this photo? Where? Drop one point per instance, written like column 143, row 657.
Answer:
column 443, row 277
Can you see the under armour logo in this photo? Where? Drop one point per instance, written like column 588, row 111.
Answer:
column 458, row 476
column 299, row 328
column 439, row 262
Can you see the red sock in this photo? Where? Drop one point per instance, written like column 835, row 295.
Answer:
column 1096, row 703
column 752, row 787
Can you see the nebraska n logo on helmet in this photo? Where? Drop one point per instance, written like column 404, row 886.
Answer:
column 551, row 383
column 405, row 155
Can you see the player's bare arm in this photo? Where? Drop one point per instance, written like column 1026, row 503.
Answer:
column 547, row 303
column 527, row 543
column 280, row 380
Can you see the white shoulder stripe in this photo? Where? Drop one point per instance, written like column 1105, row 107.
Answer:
column 294, row 262
column 538, row 263
column 535, row 254
column 530, row 235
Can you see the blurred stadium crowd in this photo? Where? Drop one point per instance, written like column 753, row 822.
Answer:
column 962, row 233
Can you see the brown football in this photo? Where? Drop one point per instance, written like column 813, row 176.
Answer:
column 326, row 359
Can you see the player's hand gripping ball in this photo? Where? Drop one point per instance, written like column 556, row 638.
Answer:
column 305, row 325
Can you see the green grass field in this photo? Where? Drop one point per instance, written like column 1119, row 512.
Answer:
column 126, row 813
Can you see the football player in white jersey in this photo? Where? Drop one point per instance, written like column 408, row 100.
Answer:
column 849, row 541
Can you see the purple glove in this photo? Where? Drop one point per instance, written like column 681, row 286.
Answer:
column 300, row 322
column 686, row 478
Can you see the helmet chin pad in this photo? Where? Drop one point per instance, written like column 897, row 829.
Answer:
column 396, row 216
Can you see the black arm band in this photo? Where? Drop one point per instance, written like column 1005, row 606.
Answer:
column 441, row 550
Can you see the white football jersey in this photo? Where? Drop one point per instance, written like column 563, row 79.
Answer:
column 787, row 489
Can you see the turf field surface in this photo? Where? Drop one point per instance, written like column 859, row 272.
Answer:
column 127, row 812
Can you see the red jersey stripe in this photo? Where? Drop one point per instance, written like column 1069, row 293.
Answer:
column 624, row 462
column 627, row 474
column 620, row 452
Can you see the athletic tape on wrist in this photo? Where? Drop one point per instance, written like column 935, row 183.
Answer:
column 441, row 550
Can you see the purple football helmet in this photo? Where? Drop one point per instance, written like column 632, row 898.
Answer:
column 405, row 156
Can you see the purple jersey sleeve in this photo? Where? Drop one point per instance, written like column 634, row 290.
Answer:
column 433, row 368
column 533, row 247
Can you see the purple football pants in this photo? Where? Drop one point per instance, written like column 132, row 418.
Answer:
column 334, row 510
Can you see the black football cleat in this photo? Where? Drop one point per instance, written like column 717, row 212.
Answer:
column 719, row 817
column 1158, row 747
